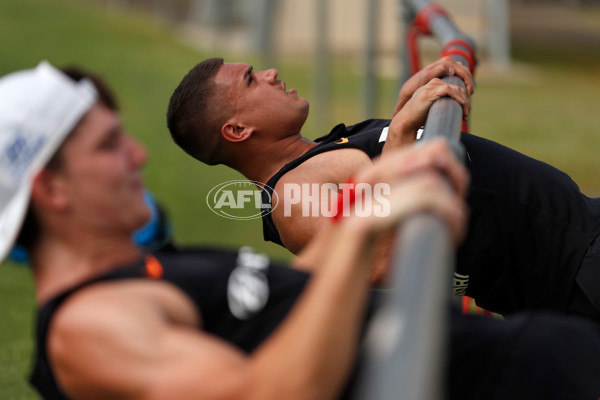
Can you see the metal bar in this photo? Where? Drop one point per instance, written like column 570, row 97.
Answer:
column 442, row 28
column 406, row 342
column 445, row 117
column 445, row 31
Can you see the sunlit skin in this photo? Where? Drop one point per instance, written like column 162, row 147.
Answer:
column 264, row 118
column 260, row 99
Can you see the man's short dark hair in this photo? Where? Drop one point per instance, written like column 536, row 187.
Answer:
column 105, row 94
column 195, row 114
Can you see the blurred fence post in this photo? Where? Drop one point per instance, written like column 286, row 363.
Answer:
column 408, row 16
column 263, row 21
column 370, row 81
column 209, row 12
column 499, row 36
column 322, row 73
column 164, row 9
column 118, row 4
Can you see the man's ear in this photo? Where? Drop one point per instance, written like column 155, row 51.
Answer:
column 233, row 131
column 48, row 190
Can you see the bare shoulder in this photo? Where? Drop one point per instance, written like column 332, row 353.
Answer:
column 109, row 305
column 296, row 221
column 329, row 167
column 103, row 331
column 140, row 340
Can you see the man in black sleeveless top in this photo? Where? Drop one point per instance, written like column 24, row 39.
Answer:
column 531, row 242
column 115, row 322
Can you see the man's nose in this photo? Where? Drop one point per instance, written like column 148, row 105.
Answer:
column 138, row 153
column 270, row 75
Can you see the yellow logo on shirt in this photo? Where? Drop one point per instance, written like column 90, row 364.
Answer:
column 342, row 141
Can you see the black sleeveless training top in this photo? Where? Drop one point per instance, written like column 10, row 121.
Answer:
column 217, row 281
column 368, row 136
column 529, row 224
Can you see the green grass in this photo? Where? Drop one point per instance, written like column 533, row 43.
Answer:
column 560, row 123
column 549, row 113
column 16, row 333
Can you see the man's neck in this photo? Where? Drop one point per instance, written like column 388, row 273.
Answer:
column 59, row 266
column 262, row 162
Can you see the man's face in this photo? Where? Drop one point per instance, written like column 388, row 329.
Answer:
column 260, row 99
column 101, row 174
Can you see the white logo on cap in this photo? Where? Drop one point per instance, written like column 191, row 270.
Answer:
column 19, row 154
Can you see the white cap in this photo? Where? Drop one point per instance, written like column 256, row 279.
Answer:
column 39, row 107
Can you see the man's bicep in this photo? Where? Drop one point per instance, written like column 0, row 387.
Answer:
column 138, row 356
column 196, row 365
column 307, row 196
column 298, row 230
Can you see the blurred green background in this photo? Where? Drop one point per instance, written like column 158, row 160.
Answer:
column 546, row 106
